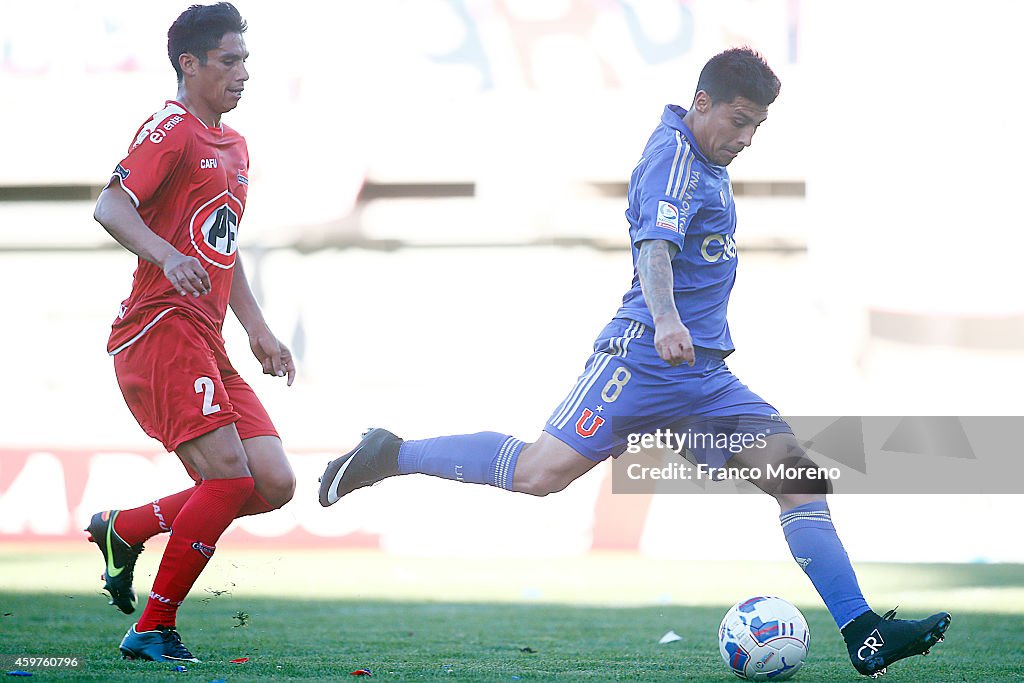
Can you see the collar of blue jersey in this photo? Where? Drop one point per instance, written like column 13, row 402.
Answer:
column 673, row 118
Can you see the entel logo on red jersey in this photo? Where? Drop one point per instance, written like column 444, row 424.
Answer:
column 169, row 118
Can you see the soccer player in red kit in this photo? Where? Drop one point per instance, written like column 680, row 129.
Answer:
column 176, row 200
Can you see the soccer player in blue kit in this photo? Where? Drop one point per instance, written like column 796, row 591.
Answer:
column 663, row 355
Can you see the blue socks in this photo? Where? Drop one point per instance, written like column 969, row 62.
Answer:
column 819, row 552
column 483, row 458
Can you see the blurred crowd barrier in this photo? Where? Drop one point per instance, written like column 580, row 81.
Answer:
column 49, row 496
column 430, row 341
column 528, row 115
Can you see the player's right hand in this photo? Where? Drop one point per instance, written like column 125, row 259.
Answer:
column 673, row 343
column 187, row 275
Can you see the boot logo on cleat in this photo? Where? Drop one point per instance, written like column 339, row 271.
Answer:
column 332, row 493
column 112, row 570
column 872, row 643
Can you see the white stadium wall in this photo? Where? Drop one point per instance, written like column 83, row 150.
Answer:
column 880, row 224
column 67, row 431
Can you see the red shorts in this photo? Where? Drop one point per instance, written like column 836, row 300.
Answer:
column 179, row 384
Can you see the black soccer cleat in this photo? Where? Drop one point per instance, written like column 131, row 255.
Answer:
column 875, row 642
column 374, row 459
column 119, row 560
column 160, row 645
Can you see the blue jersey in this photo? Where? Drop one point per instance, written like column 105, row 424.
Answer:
column 677, row 195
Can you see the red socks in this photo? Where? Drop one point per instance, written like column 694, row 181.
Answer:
column 202, row 518
column 256, row 505
column 199, row 515
column 142, row 523
column 146, row 521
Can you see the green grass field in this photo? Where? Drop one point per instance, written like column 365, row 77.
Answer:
column 320, row 615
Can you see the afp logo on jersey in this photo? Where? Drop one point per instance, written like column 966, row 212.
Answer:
column 220, row 230
column 213, row 229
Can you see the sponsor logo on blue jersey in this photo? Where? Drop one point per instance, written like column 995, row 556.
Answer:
column 717, row 248
column 668, row 216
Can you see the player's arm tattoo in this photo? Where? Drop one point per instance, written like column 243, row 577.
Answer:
column 654, row 266
column 654, row 269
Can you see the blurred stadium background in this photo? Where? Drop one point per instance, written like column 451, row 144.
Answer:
column 436, row 229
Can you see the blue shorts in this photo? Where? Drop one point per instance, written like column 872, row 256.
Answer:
column 627, row 389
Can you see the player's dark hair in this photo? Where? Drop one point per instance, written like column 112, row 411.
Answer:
column 199, row 29
column 739, row 72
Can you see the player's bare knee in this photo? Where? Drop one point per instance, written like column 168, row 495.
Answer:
column 547, row 466
column 537, row 481
column 788, row 501
column 789, row 475
column 227, row 470
column 798, row 480
column 557, row 484
column 279, row 490
column 539, row 487
column 288, row 490
column 526, row 481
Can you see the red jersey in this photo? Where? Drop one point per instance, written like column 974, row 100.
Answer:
column 189, row 183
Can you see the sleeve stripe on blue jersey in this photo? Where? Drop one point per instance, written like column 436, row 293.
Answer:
column 675, row 163
column 682, row 165
column 683, row 181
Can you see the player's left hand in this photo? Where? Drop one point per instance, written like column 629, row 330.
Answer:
column 274, row 356
column 672, row 340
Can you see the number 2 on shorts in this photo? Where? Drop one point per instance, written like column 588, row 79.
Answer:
column 205, row 385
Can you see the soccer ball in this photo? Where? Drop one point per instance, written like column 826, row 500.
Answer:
column 764, row 639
